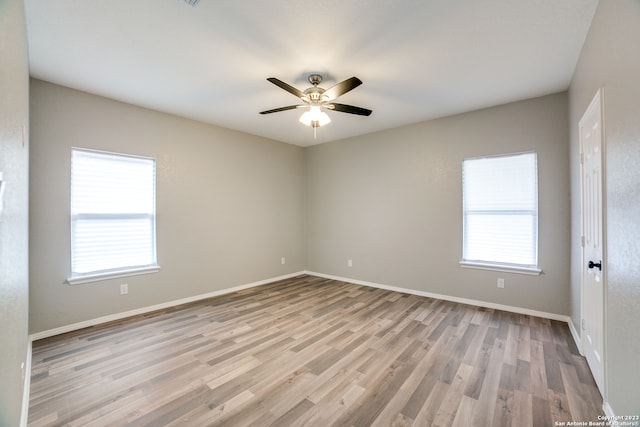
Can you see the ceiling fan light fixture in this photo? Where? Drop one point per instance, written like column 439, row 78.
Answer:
column 315, row 117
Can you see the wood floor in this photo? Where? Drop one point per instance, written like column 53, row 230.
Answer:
column 317, row 352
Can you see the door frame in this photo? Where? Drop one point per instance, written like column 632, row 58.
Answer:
column 598, row 100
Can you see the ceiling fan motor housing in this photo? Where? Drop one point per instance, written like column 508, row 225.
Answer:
column 314, row 93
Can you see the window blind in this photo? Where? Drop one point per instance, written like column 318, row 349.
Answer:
column 500, row 210
column 112, row 212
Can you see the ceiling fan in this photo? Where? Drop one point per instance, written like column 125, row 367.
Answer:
column 316, row 99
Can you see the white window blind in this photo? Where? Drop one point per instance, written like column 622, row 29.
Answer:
column 112, row 213
column 500, row 210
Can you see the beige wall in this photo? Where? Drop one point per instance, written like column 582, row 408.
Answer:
column 610, row 59
column 391, row 201
column 14, row 165
column 229, row 205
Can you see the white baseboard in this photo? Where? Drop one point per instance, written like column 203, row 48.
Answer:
column 26, row 387
column 519, row 310
column 608, row 410
column 576, row 336
column 143, row 310
column 148, row 309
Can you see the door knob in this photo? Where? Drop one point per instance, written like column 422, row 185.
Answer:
column 595, row 264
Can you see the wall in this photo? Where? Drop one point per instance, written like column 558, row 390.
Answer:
column 14, row 158
column 391, row 201
column 229, row 205
column 610, row 60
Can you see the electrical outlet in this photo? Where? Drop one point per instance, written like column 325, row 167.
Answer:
column 349, row 263
column 500, row 283
column 124, row 289
column 283, row 261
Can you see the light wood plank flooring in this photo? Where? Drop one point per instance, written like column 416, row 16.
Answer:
column 317, row 352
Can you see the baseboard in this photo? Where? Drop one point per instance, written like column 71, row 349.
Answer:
column 576, row 336
column 519, row 310
column 608, row 411
column 26, row 387
column 117, row 316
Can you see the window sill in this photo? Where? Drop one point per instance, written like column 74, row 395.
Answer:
column 532, row 271
column 88, row 278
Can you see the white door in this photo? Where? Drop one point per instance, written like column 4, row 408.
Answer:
column 591, row 145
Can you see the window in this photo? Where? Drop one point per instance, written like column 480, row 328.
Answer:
column 500, row 213
column 112, row 215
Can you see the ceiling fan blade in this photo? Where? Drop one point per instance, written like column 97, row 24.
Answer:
column 286, row 87
column 288, row 107
column 343, row 108
column 341, row 88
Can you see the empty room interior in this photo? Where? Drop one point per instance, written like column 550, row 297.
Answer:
column 345, row 213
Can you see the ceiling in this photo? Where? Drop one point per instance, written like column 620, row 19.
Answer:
column 418, row 59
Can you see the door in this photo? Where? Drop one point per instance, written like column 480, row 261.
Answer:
column 591, row 146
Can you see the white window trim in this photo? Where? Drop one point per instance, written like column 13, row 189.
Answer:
column 98, row 277
column 532, row 271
